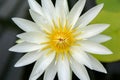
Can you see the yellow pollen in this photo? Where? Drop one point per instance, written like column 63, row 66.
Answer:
column 61, row 39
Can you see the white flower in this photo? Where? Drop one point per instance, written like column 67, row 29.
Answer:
column 60, row 41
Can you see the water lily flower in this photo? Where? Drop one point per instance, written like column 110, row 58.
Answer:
column 61, row 41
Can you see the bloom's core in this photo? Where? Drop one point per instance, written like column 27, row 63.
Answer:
column 60, row 39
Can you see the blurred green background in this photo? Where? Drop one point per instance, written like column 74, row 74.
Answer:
column 111, row 15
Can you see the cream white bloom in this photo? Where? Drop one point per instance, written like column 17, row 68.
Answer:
column 60, row 41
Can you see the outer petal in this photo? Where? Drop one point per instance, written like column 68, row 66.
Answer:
column 50, row 72
column 28, row 58
column 62, row 5
column 41, row 65
column 100, row 38
column 75, row 12
column 94, row 48
column 49, row 9
column 64, row 72
column 25, row 47
column 97, row 65
column 40, row 20
column 35, row 6
column 79, row 70
column 26, row 25
column 92, row 30
column 80, row 56
column 86, row 18
column 62, row 10
column 19, row 41
column 47, row 4
column 33, row 37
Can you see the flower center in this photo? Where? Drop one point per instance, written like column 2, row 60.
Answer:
column 61, row 39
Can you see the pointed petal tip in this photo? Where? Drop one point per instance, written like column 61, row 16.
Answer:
column 96, row 48
column 14, row 19
column 17, row 65
column 101, row 5
column 11, row 49
column 107, row 25
column 19, row 41
column 106, row 72
column 103, row 71
column 108, row 51
column 18, row 35
column 109, row 38
column 32, row 12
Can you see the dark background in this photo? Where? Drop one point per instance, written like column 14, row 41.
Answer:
column 8, row 31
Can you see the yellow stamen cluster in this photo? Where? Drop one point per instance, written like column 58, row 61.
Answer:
column 61, row 39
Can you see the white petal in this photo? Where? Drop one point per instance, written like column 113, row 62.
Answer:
column 41, row 65
column 79, row 70
column 35, row 6
column 33, row 37
column 50, row 72
column 49, row 9
column 100, row 38
column 62, row 5
column 28, row 58
column 80, row 56
column 62, row 10
column 25, row 47
column 94, row 48
column 92, row 30
column 19, row 41
column 64, row 72
column 40, row 20
column 86, row 18
column 47, row 4
column 26, row 25
column 75, row 12
column 97, row 65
